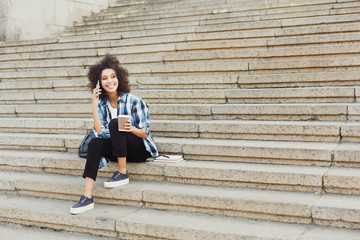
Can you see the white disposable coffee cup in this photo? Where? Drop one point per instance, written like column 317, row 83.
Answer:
column 122, row 120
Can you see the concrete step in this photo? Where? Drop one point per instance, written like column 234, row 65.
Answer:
column 13, row 47
column 245, row 203
column 47, row 125
column 268, row 152
column 121, row 3
column 48, row 64
column 315, row 40
column 245, row 175
column 227, row 11
column 299, row 79
column 141, row 15
column 136, row 33
column 215, row 8
column 317, row 30
column 86, row 49
column 135, row 223
column 210, row 173
column 245, row 3
column 333, row 112
column 253, row 204
column 236, row 14
column 157, row 8
column 73, row 72
column 134, row 21
column 204, row 81
column 148, row 82
column 44, row 74
column 333, row 33
column 308, row 21
column 58, row 142
column 59, row 84
column 288, row 95
column 26, row 86
column 136, row 5
column 278, row 112
column 320, row 20
column 231, row 66
column 213, row 129
column 304, row 65
column 234, row 96
column 236, row 67
column 312, row 35
column 8, row 231
column 135, row 26
column 166, row 54
column 339, row 78
column 289, row 13
column 155, row 22
column 163, row 53
column 56, row 85
column 274, row 152
column 257, row 130
column 265, row 54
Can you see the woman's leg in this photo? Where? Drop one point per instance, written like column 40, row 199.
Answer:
column 98, row 148
column 118, row 141
column 126, row 146
column 89, row 186
column 122, row 164
column 136, row 151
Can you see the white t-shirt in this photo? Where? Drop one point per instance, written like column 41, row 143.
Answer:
column 113, row 111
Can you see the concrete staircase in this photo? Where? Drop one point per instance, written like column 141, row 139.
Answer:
column 260, row 96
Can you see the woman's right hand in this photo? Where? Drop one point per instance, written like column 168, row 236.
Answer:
column 95, row 96
column 94, row 106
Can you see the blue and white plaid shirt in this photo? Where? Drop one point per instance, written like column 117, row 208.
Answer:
column 136, row 108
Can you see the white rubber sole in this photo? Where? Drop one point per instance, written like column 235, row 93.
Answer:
column 116, row 184
column 82, row 209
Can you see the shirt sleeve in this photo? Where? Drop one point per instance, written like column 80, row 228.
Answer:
column 105, row 133
column 141, row 115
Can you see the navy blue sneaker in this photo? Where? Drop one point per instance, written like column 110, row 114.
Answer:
column 82, row 205
column 118, row 179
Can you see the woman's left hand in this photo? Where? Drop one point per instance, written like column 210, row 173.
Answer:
column 134, row 130
column 129, row 127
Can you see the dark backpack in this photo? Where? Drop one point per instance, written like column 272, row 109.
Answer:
column 85, row 143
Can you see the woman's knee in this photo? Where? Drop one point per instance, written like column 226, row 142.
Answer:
column 113, row 125
column 114, row 129
column 94, row 144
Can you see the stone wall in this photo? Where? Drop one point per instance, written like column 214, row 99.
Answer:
column 36, row 19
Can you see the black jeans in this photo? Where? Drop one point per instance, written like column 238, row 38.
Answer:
column 120, row 144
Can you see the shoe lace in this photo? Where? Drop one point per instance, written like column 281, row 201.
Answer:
column 116, row 175
column 83, row 200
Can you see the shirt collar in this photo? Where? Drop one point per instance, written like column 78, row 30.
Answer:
column 122, row 97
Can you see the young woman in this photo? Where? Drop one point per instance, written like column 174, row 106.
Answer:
column 111, row 98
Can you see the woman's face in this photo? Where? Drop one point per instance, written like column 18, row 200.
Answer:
column 109, row 81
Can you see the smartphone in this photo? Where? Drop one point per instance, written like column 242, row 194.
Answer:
column 98, row 83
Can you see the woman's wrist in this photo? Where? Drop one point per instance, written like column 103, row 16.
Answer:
column 138, row 132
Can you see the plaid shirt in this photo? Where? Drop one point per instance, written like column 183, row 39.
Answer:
column 136, row 108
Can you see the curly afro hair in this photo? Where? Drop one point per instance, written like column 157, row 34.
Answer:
column 109, row 61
